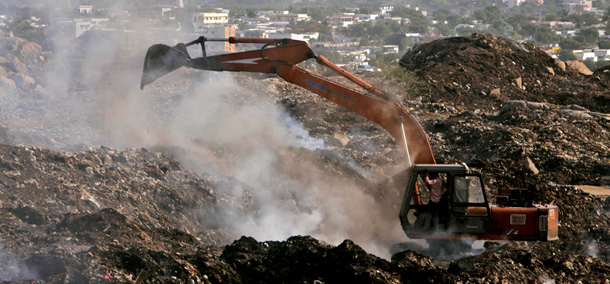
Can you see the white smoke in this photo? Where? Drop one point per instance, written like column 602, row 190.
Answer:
column 293, row 197
column 230, row 130
column 12, row 270
column 592, row 248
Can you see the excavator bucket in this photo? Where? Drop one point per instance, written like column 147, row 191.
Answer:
column 162, row 59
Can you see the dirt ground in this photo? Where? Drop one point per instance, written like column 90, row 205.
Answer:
column 154, row 215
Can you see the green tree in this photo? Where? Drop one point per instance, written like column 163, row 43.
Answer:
column 566, row 55
column 488, row 15
column 606, row 16
column 444, row 29
column 604, row 44
column 365, row 10
column 23, row 28
column 545, row 35
column 587, row 36
column 570, row 44
column 465, row 31
column 583, row 19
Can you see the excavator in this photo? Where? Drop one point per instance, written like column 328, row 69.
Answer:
column 468, row 212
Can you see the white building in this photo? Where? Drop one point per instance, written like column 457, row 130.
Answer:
column 304, row 36
column 365, row 17
column 386, row 10
column 602, row 54
column 573, row 5
column 85, row 9
column 81, row 26
column 342, row 20
column 284, row 16
column 585, row 55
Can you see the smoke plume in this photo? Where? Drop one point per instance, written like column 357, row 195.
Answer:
column 228, row 129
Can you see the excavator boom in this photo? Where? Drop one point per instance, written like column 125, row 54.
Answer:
column 281, row 56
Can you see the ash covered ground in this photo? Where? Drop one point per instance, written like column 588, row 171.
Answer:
column 208, row 178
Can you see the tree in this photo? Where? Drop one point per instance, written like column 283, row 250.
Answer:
column 587, row 36
column 23, row 28
column 465, row 31
column 365, row 10
column 606, row 16
column 488, row 15
column 583, row 19
column 500, row 28
column 570, row 44
column 604, row 44
column 545, row 35
column 445, row 30
column 566, row 55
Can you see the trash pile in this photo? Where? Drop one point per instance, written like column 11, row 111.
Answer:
column 451, row 72
column 105, row 215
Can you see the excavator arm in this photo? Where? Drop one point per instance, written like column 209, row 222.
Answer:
column 281, row 56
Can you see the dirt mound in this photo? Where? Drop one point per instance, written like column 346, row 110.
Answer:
column 482, row 70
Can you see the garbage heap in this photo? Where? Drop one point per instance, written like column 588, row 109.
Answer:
column 507, row 109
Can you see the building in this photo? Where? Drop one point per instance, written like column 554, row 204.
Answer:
column 85, row 9
column 202, row 20
column 342, row 20
column 386, row 10
column 304, row 36
column 513, row 3
column 219, row 31
column 586, row 54
column 576, row 5
column 284, row 16
column 365, row 17
column 602, row 54
column 558, row 24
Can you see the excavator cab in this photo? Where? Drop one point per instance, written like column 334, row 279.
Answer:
column 469, row 214
column 465, row 211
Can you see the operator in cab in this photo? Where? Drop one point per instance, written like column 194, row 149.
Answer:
column 439, row 203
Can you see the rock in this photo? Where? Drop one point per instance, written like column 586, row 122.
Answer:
column 342, row 138
column 551, row 70
column 537, row 106
column 527, row 162
column 576, row 114
column 23, row 82
column 495, row 93
column 18, row 66
column 31, row 52
column 512, row 105
column 579, row 67
column 573, row 107
column 7, row 84
column 561, row 65
column 519, row 82
column 3, row 72
column 40, row 91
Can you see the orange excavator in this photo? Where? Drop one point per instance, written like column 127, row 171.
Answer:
column 467, row 214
